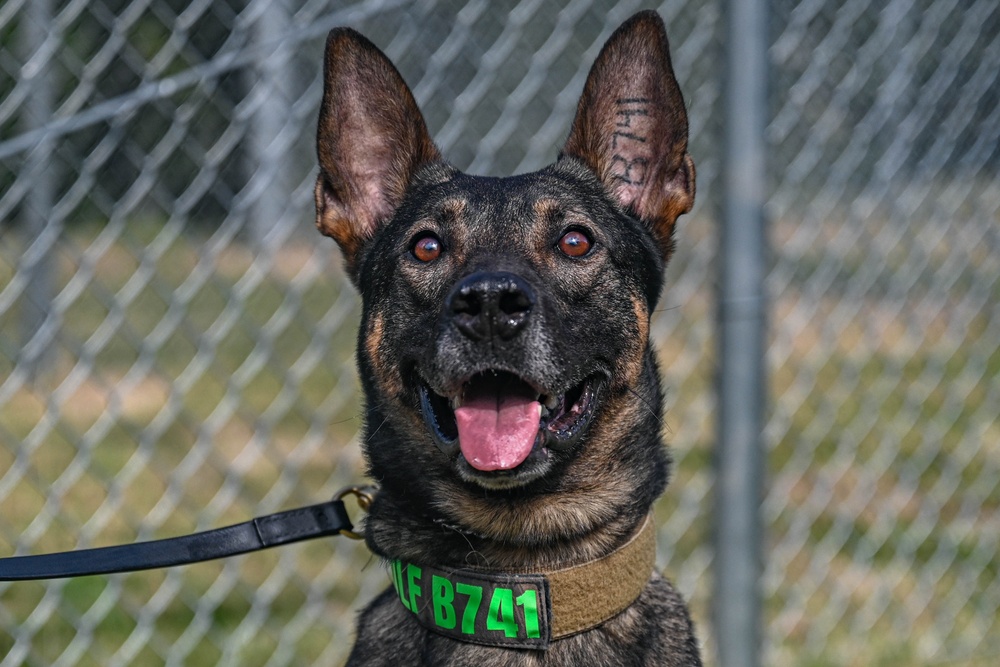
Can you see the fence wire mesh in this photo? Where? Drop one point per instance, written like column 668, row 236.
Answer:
column 176, row 343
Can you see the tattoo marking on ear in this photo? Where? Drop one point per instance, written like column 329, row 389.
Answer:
column 630, row 170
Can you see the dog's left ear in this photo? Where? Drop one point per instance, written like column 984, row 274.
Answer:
column 371, row 140
column 631, row 128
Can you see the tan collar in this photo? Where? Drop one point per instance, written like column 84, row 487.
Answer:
column 527, row 610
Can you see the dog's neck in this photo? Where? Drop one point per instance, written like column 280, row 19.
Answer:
column 394, row 530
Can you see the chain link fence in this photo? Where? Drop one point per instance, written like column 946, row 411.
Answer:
column 176, row 341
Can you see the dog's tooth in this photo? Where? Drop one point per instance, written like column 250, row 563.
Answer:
column 456, row 402
column 551, row 402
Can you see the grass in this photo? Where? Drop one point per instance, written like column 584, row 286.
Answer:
column 192, row 385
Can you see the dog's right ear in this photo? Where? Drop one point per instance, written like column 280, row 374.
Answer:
column 371, row 139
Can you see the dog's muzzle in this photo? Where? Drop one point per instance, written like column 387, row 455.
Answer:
column 494, row 403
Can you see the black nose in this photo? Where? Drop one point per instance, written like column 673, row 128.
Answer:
column 486, row 304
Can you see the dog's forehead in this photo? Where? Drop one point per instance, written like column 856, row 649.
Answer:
column 486, row 206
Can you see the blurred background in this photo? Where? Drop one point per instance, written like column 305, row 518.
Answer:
column 176, row 340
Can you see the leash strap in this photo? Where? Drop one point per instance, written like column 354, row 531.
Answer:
column 305, row 523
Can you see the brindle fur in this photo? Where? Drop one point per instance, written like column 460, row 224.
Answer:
column 624, row 176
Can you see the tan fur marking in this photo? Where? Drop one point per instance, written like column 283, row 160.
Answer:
column 384, row 373
column 632, row 364
column 544, row 210
column 452, row 214
column 573, row 515
column 627, row 409
column 453, row 209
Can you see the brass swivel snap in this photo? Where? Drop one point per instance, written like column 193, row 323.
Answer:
column 364, row 495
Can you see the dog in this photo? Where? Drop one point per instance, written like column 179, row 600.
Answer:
column 513, row 400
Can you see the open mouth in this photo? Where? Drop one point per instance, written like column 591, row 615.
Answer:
column 499, row 421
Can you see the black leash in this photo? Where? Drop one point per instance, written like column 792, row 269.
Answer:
column 306, row 523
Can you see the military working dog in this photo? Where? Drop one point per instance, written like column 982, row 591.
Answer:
column 513, row 402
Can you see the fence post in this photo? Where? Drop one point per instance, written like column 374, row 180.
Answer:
column 742, row 387
column 36, row 210
column 268, row 183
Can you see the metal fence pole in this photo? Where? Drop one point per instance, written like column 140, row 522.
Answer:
column 269, row 183
column 37, row 208
column 742, row 387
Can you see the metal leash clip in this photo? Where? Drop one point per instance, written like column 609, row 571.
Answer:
column 365, row 495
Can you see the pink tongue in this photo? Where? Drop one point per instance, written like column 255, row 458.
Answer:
column 496, row 431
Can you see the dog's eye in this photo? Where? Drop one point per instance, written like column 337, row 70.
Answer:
column 574, row 243
column 427, row 247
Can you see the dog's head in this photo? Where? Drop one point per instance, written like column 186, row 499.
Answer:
column 504, row 336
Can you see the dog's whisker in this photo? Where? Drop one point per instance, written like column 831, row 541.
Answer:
column 376, row 430
column 653, row 413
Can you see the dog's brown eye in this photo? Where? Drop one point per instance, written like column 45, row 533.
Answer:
column 574, row 244
column 427, row 248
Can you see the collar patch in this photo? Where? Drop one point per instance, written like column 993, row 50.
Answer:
column 507, row 610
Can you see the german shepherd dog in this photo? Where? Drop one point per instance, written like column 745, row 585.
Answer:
column 512, row 396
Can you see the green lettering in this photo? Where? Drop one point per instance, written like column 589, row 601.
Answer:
column 501, row 613
column 442, row 596
column 475, row 594
column 413, row 585
column 397, row 582
column 528, row 600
